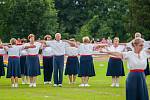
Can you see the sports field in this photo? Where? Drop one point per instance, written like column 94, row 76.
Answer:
column 99, row 90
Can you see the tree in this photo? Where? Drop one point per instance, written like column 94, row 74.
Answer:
column 30, row 16
column 140, row 17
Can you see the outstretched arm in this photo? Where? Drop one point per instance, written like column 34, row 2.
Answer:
column 117, row 54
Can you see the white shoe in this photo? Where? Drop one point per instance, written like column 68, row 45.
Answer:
column 81, row 85
column 16, row 85
column 55, row 85
column 112, row 85
column 13, row 85
column 49, row 82
column 86, row 85
column 34, row 84
column 31, row 84
column 45, row 83
column 60, row 85
column 117, row 84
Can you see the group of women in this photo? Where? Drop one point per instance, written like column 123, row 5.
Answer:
column 23, row 61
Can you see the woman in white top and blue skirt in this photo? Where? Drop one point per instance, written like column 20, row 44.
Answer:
column 115, row 64
column 23, row 64
column 86, row 68
column 136, row 88
column 2, row 53
column 48, row 54
column 13, row 69
column 146, row 46
column 33, row 62
column 72, row 64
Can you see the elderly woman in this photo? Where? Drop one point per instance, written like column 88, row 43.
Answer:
column 136, row 88
column 115, row 64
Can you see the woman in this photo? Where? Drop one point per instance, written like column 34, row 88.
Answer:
column 115, row 64
column 129, row 45
column 86, row 68
column 136, row 88
column 33, row 63
column 72, row 64
column 23, row 65
column 13, row 70
column 47, row 61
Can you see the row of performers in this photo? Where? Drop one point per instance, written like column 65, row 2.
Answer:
column 53, row 61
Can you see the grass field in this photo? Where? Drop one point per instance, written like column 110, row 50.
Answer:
column 100, row 88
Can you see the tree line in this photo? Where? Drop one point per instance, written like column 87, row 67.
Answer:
column 75, row 18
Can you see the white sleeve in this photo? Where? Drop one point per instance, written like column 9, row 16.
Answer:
column 125, row 55
column 49, row 43
column 147, row 54
column 129, row 44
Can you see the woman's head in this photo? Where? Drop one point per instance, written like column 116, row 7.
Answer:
column 138, row 44
column 31, row 38
column 86, row 39
column 47, row 37
column 116, row 41
column 13, row 41
column 73, row 44
column 137, row 35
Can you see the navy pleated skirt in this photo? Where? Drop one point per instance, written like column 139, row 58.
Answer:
column 13, row 68
column 86, row 66
column 147, row 70
column 2, row 71
column 115, row 67
column 136, row 88
column 72, row 66
column 33, row 65
column 23, row 65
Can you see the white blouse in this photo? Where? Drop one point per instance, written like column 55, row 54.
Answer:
column 86, row 49
column 47, row 51
column 72, row 51
column 34, row 51
column 15, row 50
column 119, row 48
column 135, row 61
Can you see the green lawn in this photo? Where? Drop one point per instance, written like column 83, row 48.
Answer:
column 100, row 89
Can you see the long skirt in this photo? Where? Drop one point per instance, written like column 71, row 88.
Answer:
column 136, row 88
column 13, row 68
column 86, row 66
column 72, row 66
column 115, row 67
column 23, row 65
column 33, row 65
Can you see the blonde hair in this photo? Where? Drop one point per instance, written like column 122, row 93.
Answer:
column 57, row 34
column 137, row 41
column 47, row 36
column 116, row 38
column 137, row 35
column 86, row 39
column 72, row 39
column 13, row 41
column 30, row 35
